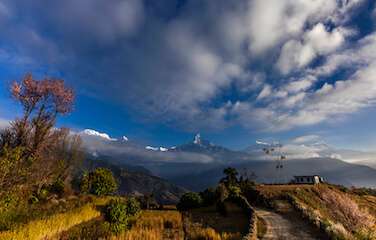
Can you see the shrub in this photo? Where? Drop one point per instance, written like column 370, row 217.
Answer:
column 116, row 215
column 189, row 200
column 234, row 191
column 99, row 182
column 85, row 183
column 133, row 206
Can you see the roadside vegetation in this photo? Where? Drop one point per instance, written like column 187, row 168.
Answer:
column 220, row 213
column 336, row 210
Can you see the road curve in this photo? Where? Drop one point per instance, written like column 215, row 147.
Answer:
column 286, row 227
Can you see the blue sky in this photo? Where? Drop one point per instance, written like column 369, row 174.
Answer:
column 236, row 71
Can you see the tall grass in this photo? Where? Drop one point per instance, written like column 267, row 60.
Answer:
column 199, row 233
column 155, row 225
column 45, row 228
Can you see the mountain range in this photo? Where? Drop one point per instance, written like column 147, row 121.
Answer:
column 199, row 163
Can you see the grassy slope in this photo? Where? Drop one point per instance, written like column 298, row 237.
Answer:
column 46, row 226
column 339, row 213
column 150, row 225
column 204, row 223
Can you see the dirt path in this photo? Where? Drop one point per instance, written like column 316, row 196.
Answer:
column 286, row 226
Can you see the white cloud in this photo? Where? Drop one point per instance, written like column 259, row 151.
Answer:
column 306, row 139
column 265, row 92
column 177, row 71
column 296, row 54
column 324, row 41
column 275, row 20
column 300, row 85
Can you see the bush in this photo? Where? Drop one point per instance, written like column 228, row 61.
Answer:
column 85, row 183
column 189, row 201
column 99, row 182
column 234, row 191
column 133, row 206
column 116, row 215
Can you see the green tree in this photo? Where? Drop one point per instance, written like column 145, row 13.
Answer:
column 101, row 181
column 189, row 200
column 231, row 176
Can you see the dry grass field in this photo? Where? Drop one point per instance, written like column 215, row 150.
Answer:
column 46, row 228
column 207, row 223
column 340, row 212
column 155, row 225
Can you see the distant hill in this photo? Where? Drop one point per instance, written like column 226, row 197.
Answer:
column 333, row 170
column 139, row 181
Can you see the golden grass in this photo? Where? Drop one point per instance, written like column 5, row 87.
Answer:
column 343, row 213
column 155, row 225
column 235, row 222
column 55, row 224
column 207, row 224
column 45, row 228
column 198, row 233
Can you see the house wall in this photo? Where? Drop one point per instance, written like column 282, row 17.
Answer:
column 307, row 180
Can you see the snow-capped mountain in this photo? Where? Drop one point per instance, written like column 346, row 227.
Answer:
column 160, row 149
column 199, row 158
column 201, row 145
column 94, row 133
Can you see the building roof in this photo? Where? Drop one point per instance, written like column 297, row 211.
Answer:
column 307, row 176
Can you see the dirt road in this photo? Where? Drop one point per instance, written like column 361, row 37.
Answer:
column 287, row 226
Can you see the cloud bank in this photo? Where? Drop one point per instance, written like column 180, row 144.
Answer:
column 267, row 65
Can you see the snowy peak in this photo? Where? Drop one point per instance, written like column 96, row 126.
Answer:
column 200, row 145
column 197, row 139
column 160, row 149
column 91, row 132
column 151, row 148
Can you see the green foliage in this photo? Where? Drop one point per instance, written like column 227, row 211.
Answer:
column 234, row 191
column 133, row 206
column 231, row 176
column 189, row 200
column 99, row 182
column 43, row 194
column 118, row 213
column 85, row 183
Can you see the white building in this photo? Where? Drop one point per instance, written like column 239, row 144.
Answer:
column 314, row 179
